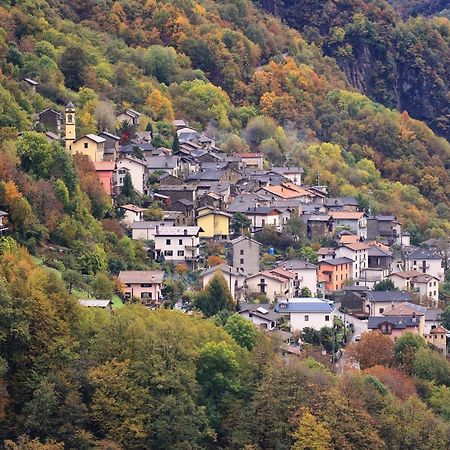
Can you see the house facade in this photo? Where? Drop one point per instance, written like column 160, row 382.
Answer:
column 274, row 284
column 178, row 244
column 215, row 223
column 306, row 275
column 245, row 254
column 145, row 285
column 303, row 313
column 337, row 273
column 138, row 172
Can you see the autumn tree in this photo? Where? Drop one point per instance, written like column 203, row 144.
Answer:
column 311, row 433
column 373, row 349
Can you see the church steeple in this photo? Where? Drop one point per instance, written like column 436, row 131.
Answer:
column 70, row 124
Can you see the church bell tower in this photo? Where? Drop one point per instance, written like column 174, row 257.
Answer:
column 70, row 125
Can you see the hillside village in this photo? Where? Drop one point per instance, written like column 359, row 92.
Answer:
column 292, row 257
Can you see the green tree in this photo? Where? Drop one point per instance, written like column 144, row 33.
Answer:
column 311, row 434
column 73, row 64
column 385, row 285
column 445, row 317
column 242, row 330
column 240, row 223
column 35, row 153
column 406, row 347
column 102, row 286
column 432, row 366
column 309, row 254
column 440, row 401
column 161, row 63
column 305, row 292
column 215, row 297
column 72, row 278
column 127, row 190
column 175, row 143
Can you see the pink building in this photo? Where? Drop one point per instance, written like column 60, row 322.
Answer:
column 105, row 171
column 145, row 285
column 394, row 326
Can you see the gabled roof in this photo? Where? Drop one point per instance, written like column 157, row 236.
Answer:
column 249, row 155
column 388, row 296
column 356, row 246
column 150, row 224
column 141, row 276
column 422, row 253
column 296, row 264
column 94, row 303
column 406, row 309
column 406, row 274
column 92, row 137
column 56, row 113
column 335, row 261
column 377, row 251
column 438, row 330
column 210, row 211
column 346, row 215
column 287, row 170
column 104, row 166
column 162, row 162
column 244, row 238
column 326, row 251
column 304, row 305
column 224, row 268
column 31, row 81
column 397, row 322
column 134, row 208
column 178, row 231
column 110, row 135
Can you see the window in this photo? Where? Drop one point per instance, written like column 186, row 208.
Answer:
column 168, row 242
column 180, row 253
column 415, row 263
column 241, row 252
column 180, row 241
column 381, row 310
column 168, row 253
column 327, row 318
column 147, row 295
column 242, row 261
column 434, row 293
column 86, row 145
column 306, row 318
column 145, row 284
column 263, row 222
column 69, row 118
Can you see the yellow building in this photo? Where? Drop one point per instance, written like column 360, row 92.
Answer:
column 90, row 145
column 214, row 223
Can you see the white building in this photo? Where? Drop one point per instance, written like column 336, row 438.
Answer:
column 146, row 230
column 178, row 244
column 425, row 261
column 306, row 275
column 353, row 220
column 307, row 313
column 138, row 171
column 260, row 314
column 132, row 214
column 358, row 253
column 274, row 284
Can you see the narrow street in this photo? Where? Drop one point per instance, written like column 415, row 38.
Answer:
column 360, row 326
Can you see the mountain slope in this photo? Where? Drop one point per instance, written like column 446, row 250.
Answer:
column 219, row 65
column 401, row 64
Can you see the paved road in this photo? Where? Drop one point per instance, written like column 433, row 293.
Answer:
column 360, row 326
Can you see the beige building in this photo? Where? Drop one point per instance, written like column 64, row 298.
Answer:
column 438, row 338
column 143, row 284
column 274, row 284
column 90, row 145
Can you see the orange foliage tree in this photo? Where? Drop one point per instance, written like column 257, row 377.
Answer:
column 373, row 349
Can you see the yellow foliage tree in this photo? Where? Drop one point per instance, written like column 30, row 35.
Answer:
column 311, row 434
column 158, row 106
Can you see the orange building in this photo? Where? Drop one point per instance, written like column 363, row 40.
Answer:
column 336, row 273
column 105, row 173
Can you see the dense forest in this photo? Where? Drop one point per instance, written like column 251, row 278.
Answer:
column 399, row 63
column 85, row 379
column 356, row 95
